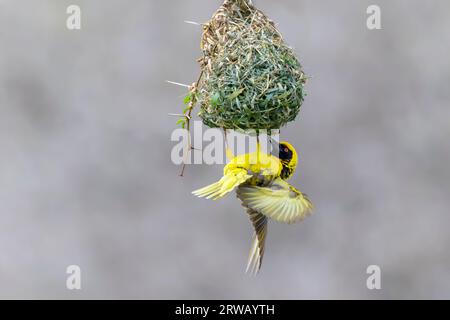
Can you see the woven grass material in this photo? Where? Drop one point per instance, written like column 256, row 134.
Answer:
column 251, row 78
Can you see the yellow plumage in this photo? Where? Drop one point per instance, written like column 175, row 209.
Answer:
column 260, row 181
column 239, row 170
column 279, row 201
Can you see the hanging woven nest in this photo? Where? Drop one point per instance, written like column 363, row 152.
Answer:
column 250, row 78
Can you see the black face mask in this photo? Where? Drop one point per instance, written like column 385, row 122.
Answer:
column 284, row 153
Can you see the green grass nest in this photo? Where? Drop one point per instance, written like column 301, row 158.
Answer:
column 251, row 78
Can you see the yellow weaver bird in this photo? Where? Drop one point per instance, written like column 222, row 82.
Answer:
column 260, row 180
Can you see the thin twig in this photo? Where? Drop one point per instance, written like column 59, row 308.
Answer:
column 193, row 22
column 178, row 115
column 192, row 103
column 178, row 84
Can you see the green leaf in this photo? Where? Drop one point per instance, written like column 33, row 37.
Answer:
column 235, row 94
column 188, row 98
column 181, row 122
column 215, row 99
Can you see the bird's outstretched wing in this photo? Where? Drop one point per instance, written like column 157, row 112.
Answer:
column 256, row 255
column 231, row 180
column 279, row 201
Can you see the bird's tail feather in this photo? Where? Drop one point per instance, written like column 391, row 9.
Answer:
column 254, row 258
column 256, row 255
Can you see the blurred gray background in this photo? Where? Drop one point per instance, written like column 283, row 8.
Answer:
column 86, row 176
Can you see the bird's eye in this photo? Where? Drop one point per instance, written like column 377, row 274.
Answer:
column 286, row 150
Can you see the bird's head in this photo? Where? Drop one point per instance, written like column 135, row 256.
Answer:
column 289, row 158
column 286, row 151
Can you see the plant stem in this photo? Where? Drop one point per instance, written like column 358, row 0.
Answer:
column 192, row 103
